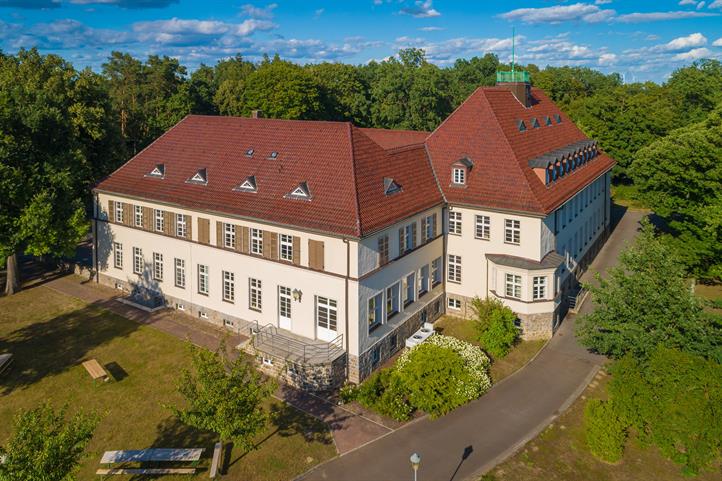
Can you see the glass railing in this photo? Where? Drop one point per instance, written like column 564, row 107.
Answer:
column 515, row 76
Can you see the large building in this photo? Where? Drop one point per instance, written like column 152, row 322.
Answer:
column 333, row 244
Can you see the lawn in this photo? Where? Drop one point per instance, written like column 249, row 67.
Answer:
column 50, row 334
column 712, row 293
column 626, row 195
column 464, row 329
column 559, row 453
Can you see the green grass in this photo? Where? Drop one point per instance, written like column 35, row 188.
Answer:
column 626, row 195
column 712, row 293
column 560, row 453
column 464, row 329
column 50, row 334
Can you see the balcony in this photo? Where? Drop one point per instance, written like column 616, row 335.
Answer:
column 294, row 348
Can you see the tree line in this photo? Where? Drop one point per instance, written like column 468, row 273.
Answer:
column 63, row 129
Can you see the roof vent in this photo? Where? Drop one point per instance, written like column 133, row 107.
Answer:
column 249, row 153
column 256, row 114
column 521, row 125
column 390, row 186
column 248, row 185
column 274, row 155
column 200, row 177
column 300, row 192
column 158, row 171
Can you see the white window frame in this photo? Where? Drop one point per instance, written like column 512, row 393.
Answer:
column 458, row 176
column 483, row 227
column 255, row 294
column 539, row 288
column 285, row 247
column 203, row 279
column 393, row 305
column 512, row 285
column 119, row 212
column 256, row 241
column 453, row 303
column 180, row 225
column 409, row 237
column 159, row 219
column 436, row 273
column 453, row 268
column 138, row 216
column 229, row 286
column 375, row 311
column 229, row 236
column 180, row 273
column 327, row 313
column 118, row 255
column 455, row 222
column 423, row 281
column 430, row 227
column 137, row 260
column 409, row 288
column 157, row 266
column 512, row 231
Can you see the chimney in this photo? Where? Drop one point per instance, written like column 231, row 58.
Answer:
column 518, row 82
column 256, row 114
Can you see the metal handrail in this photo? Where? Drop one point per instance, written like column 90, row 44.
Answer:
column 269, row 335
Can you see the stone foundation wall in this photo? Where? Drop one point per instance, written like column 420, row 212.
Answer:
column 536, row 326
column 360, row 367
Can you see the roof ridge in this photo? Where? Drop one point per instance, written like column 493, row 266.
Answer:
column 438, row 127
column 271, row 119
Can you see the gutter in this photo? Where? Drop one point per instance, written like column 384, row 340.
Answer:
column 345, row 304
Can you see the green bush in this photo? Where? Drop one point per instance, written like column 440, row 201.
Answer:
column 495, row 324
column 384, row 393
column 605, row 431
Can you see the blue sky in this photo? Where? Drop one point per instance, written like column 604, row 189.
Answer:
column 643, row 40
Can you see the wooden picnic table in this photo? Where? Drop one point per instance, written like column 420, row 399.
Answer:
column 95, row 370
column 152, row 454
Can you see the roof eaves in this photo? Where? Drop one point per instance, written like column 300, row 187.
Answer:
column 352, row 158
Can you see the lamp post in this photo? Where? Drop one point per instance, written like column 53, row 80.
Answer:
column 415, row 462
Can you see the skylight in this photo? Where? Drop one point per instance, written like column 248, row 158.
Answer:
column 521, row 125
column 390, row 186
column 158, row 171
column 200, row 177
column 300, row 192
column 249, row 153
column 248, row 185
column 273, row 155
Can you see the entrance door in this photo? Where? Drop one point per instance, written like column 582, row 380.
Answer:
column 284, row 307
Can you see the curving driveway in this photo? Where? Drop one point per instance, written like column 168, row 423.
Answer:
column 476, row 437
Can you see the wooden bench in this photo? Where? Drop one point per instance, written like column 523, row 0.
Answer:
column 95, row 370
column 216, row 460
column 5, row 361
column 111, row 471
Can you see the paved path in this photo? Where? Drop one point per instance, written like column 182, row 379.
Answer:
column 496, row 425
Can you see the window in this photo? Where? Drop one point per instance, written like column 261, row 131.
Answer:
column 326, row 314
column 455, row 223
column 521, row 125
column 180, row 225
column 513, row 286
column 454, row 304
column 535, row 123
column 256, row 241
column 138, row 216
column 375, row 311
column 483, row 227
column 423, row 280
column 393, row 294
column 410, row 237
column 157, row 266
column 375, row 356
column 159, row 220
column 410, row 288
column 229, row 286
column 118, row 255
column 286, row 248
column 512, row 231
column 202, row 279
column 383, row 250
column 119, row 212
column 255, row 294
column 430, row 227
column 436, row 272
column 229, row 236
column 284, row 302
column 203, row 314
column 137, row 260
column 267, row 361
column 539, row 290
column 458, row 176
column 454, row 269
column 180, row 273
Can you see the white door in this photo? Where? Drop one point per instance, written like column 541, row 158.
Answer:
column 284, row 307
column 326, row 319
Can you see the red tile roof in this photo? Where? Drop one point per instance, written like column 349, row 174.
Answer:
column 344, row 170
column 485, row 129
column 391, row 139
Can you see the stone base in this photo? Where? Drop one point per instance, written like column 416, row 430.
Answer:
column 536, row 326
column 360, row 367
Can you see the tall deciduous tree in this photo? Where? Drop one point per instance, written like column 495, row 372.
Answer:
column 46, row 445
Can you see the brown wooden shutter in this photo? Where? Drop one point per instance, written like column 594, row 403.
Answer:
column 189, row 227
column 424, row 239
column 204, row 231
column 239, row 241
column 315, row 254
column 383, row 250
column 402, row 241
column 128, row 214
column 413, row 235
column 296, row 250
column 147, row 218
column 111, row 211
column 274, row 245
column 436, row 224
column 219, row 233
column 245, row 240
column 169, row 223
column 266, row 236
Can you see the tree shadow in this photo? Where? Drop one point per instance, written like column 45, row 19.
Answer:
column 51, row 347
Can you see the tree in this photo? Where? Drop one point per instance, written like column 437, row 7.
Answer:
column 45, row 445
column 343, row 92
column 566, row 84
column 645, row 302
column 680, row 177
column 48, row 124
column 224, row 396
column 495, row 325
column 697, row 89
column 475, row 72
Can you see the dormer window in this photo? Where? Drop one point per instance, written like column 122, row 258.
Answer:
column 458, row 175
column 300, row 192
column 390, row 186
column 158, row 171
column 558, row 118
column 249, row 153
column 248, row 185
column 535, row 123
column 200, row 177
column 521, row 125
column 547, row 120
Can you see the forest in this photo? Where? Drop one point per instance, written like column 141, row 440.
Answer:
column 62, row 129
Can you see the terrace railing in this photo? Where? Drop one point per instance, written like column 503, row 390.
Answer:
column 272, row 341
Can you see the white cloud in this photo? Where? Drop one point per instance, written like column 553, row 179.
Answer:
column 421, row 9
column 659, row 16
column 431, row 29
column 683, row 43
column 318, row 12
column 688, row 2
column 701, row 5
column 560, row 13
column 715, row 4
column 258, row 12
column 717, row 43
column 694, row 54
column 602, row 2
column 607, row 59
column 177, row 31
